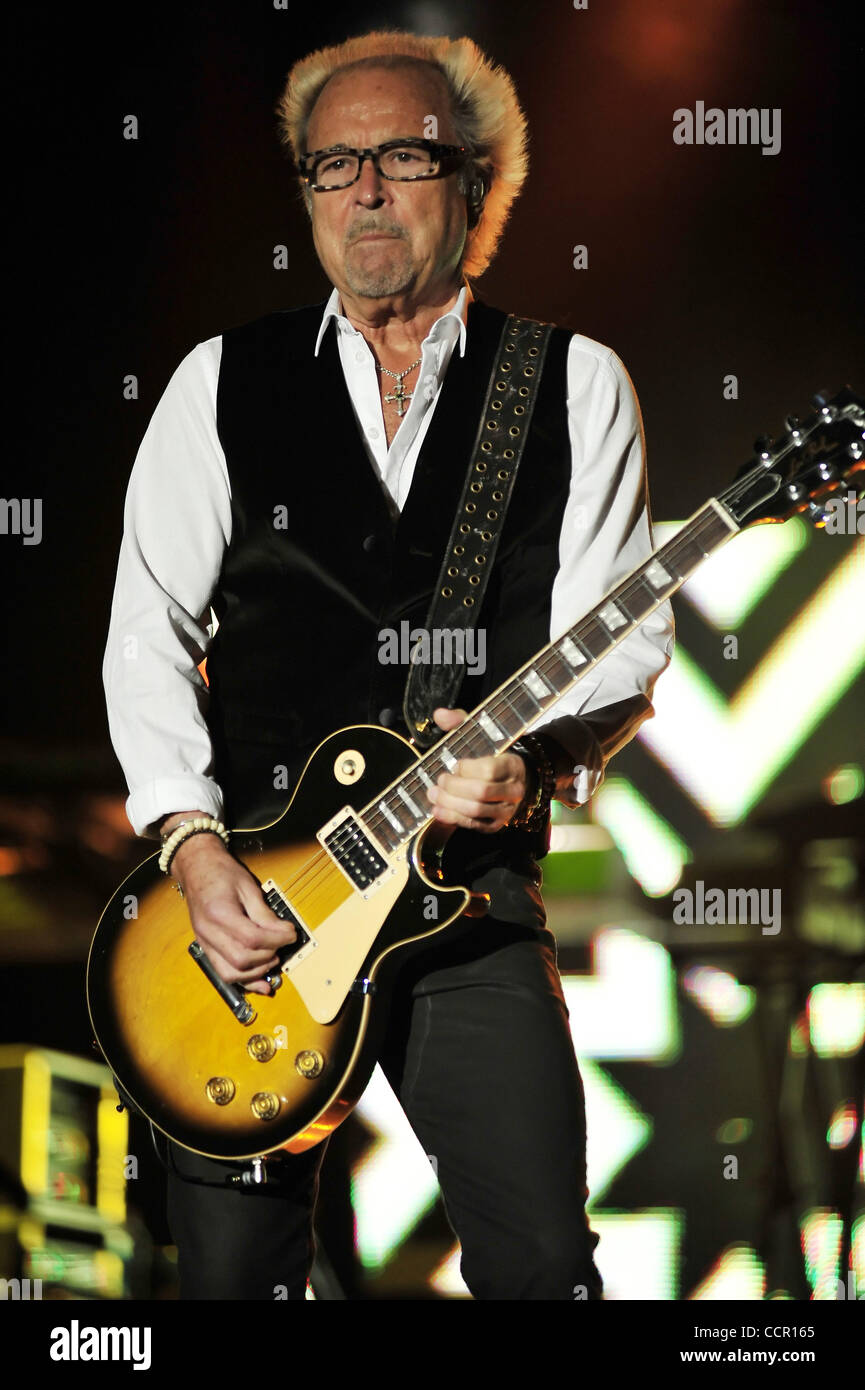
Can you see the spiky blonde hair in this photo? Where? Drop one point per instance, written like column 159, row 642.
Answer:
column 484, row 108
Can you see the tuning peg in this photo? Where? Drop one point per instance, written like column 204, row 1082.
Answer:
column 792, row 424
column 816, row 513
column 829, row 411
column 762, row 447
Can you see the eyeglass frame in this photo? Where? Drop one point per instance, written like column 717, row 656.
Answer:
column 433, row 147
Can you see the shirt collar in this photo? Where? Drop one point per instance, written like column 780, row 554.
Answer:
column 459, row 312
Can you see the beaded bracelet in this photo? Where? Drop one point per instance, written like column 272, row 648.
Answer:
column 199, row 826
column 529, row 817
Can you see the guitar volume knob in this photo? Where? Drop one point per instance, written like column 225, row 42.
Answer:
column 265, row 1105
column 260, row 1047
column 309, row 1063
column 220, row 1089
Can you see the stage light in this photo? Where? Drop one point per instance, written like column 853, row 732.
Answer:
column 446, row 1278
column 618, row 1129
column 733, row 581
column 639, row 1253
column 735, row 1131
column 737, row 1275
column 842, row 1126
column 804, row 673
column 627, row 1007
column 822, row 1229
column 653, row 852
column 836, row 1017
column 725, row 1001
column 844, row 784
column 394, row 1183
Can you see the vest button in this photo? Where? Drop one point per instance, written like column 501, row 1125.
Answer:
column 370, row 543
column 387, row 717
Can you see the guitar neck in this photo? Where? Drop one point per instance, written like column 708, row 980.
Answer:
column 397, row 815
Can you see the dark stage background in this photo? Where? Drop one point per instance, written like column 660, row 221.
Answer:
column 703, row 262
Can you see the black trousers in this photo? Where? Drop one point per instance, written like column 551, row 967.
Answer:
column 479, row 1053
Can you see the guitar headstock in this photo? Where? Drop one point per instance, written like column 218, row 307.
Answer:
column 800, row 471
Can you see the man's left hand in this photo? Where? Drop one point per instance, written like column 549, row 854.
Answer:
column 481, row 793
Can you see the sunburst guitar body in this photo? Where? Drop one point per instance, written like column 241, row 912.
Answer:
column 288, row 1075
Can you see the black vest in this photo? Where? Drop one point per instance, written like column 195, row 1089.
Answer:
column 319, row 564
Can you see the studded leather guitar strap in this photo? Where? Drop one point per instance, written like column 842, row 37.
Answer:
column 471, row 550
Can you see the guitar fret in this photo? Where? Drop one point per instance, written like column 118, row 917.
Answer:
column 689, row 556
column 474, row 742
column 692, row 545
column 557, row 670
column 593, row 640
column 421, row 772
column 412, row 805
column 506, row 716
column 390, row 817
column 387, row 837
column 435, row 767
column 641, row 600
column 525, row 704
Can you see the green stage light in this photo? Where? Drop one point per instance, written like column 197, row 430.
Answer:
column 653, row 852
column 726, row 755
column 733, row 581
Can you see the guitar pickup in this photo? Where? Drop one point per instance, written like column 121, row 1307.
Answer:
column 296, row 951
column 352, row 847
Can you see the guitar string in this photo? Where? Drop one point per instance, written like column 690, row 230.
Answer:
column 308, row 877
column 306, row 881
column 473, row 740
column 463, row 739
column 467, row 740
column 688, row 536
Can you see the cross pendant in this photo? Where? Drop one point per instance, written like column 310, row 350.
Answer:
column 400, row 395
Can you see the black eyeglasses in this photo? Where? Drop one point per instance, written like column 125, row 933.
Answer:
column 400, row 160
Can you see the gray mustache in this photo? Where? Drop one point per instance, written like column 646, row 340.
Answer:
column 365, row 231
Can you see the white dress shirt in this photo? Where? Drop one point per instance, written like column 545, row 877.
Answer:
column 177, row 524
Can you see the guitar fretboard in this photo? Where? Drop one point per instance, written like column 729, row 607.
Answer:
column 403, row 808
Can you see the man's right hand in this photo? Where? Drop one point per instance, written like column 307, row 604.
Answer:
column 228, row 913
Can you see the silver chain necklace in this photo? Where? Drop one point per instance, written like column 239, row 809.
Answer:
column 400, row 394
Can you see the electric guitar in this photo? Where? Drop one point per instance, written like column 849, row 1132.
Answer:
column 349, row 863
